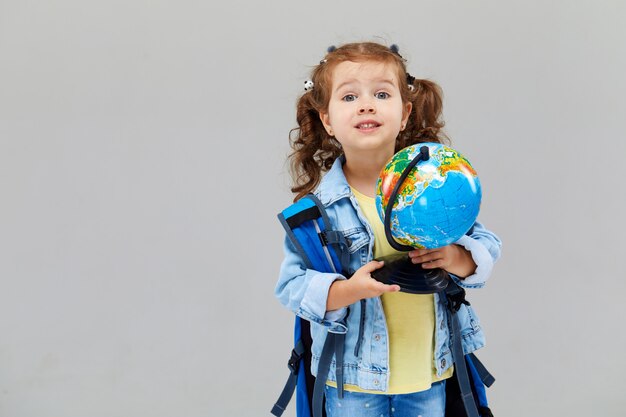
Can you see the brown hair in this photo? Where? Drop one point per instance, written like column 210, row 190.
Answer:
column 314, row 151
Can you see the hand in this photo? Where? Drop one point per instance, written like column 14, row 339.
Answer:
column 364, row 286
column 361, row 285
column 454, row 259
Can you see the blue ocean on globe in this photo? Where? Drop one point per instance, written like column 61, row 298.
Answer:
column 437, row 203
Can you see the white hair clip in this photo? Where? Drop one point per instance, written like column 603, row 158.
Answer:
column 308, row 85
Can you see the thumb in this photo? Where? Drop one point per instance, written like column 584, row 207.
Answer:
column 391, row 288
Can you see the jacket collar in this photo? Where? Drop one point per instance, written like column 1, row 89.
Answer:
column 334, row 185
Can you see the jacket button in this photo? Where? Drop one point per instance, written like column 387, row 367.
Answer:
column 443, row 363
column 376, row 382
column 377, row 337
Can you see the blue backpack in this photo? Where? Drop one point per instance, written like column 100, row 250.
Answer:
column 308, row 228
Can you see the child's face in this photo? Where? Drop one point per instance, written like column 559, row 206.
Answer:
column 365, row 111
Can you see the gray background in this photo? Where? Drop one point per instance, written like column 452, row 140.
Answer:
column 142, row 148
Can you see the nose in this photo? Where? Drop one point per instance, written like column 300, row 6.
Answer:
column 367, row 108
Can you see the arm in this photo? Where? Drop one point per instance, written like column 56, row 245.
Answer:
column 323, row 297
column 305, row 291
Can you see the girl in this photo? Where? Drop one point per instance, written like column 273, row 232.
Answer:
column 360, row 107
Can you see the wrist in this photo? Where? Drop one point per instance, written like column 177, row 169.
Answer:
column 339, row 295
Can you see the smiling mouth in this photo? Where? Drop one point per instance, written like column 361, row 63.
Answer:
column 368, row 125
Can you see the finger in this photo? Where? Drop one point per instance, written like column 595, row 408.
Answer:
column 419, row 252
column 373, row 266
column 429, row 257
column 439, row 263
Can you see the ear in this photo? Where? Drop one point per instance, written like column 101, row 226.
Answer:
column 326, row 122
column 406, row 112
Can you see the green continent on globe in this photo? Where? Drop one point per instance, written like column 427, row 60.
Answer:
column 442, row 161
column 451, row 160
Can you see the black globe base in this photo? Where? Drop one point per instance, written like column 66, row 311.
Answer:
column 411, row 278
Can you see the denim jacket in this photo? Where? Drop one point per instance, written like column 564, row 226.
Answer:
column 304, row 291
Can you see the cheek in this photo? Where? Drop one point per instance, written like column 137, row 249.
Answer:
column 334, row 113
column 341, row 115
column 403, row 114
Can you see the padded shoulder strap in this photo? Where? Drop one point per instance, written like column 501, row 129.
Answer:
column 308, row 227
column 292, row 217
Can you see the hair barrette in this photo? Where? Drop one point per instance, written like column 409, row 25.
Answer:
column 330, row 49
column 410, row 80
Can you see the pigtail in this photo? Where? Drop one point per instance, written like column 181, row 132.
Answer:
column 313, row 150
column 425, row 123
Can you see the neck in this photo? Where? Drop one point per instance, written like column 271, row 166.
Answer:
column 362, row 171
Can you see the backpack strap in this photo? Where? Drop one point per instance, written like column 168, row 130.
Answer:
column 322, row 374
column 293, row 364
column 480, row 392
column 455, row 297
column 334, row 238
column 308, row 227
column 359, row 339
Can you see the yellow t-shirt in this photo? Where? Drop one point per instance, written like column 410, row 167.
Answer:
column 410, row 323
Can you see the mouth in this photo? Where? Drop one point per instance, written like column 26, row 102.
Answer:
column 367, row 125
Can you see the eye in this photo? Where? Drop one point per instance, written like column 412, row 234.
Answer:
column 349, row 97
column 382, row 95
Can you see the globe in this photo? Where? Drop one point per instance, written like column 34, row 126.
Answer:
column 438, row 201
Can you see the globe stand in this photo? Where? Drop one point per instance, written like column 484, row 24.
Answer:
column 411, row 278
column 398, row 268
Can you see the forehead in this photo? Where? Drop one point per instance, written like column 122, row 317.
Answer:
column 364, row 72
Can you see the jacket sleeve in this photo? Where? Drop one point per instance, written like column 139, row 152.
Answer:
column 305, row 291
column 485, row 248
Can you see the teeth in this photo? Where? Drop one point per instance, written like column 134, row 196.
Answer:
column 367, row 125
